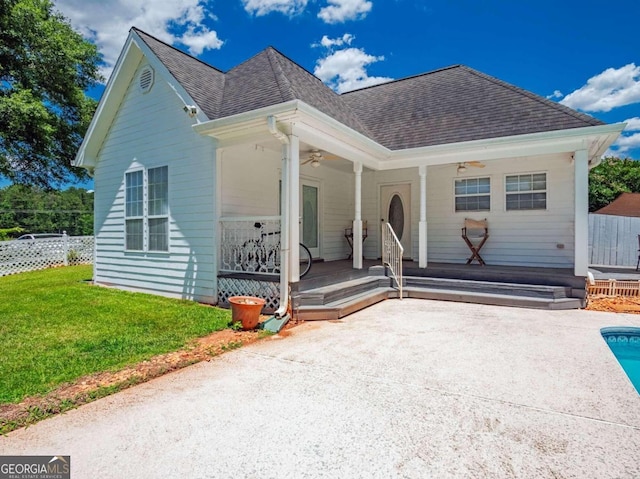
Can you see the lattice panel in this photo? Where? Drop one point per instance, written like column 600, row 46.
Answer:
column 80, row 250
column 250, row 245
column 20, row 256
column 269, row 291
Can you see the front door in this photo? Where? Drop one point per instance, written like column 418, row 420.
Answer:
column 310, row 212
column 395, row 209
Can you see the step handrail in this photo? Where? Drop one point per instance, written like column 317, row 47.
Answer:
column 392, row 252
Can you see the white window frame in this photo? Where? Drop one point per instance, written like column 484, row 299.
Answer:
column 146, row 217
column 531, row 190
column 136, row 217
column 470, row 195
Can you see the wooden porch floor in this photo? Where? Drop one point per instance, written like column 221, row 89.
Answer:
column 324, row 273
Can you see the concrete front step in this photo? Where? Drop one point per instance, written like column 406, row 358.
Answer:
column 489, row 287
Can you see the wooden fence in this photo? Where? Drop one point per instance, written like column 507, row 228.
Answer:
column 613, row 240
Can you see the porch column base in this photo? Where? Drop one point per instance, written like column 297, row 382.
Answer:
column 357, row 244
column 422, row 244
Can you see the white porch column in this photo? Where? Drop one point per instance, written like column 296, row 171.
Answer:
column 357, row 222
column 285, row 260
column 422, row 226
column 581, row 212
column 294, row 209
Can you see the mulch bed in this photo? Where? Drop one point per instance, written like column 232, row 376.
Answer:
column 614, row 304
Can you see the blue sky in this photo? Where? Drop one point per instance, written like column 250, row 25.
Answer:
column 585, row 54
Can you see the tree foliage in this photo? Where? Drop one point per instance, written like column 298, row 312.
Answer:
column 610, row 178
column 36, row 210
column 45, row 69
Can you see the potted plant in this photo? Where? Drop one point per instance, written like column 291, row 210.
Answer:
column 246, row 309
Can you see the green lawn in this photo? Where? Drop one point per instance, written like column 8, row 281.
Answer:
column 56, row 328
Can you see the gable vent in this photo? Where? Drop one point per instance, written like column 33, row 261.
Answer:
column 145, row 79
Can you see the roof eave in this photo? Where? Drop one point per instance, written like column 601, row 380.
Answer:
column 596, row 139
column 310, row 124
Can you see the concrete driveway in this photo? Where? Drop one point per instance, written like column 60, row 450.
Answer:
column 408, row 388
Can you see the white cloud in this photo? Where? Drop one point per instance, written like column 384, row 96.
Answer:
column 626, row 142
column 107, row 23
column 344, row 70
column 264, row 7
column 327, row 42
column 339, row 11
column 633, row 124
column 555, row 94
column 610, row 89
column 623, row 145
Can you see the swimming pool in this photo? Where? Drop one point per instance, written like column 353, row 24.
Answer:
column 625, row 345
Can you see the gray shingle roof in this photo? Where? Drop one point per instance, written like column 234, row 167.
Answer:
column 456, row 104
column 450, row 105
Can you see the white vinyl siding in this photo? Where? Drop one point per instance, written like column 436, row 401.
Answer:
column 152, row 131
column 526, row 192
column 540, row 237
column 473, row 194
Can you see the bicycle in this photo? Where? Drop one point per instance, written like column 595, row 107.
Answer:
column 263, row 256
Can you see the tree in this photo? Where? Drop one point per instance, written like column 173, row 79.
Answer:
column 610, row 178
column 45, row 69
column 36, row 210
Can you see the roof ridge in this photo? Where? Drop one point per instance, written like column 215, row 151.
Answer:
column 282, row 80
column 410, row 77
column 138, row 31
column 563, row 109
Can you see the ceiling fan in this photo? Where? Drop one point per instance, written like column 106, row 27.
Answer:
column 316, row 156
column 462, row 167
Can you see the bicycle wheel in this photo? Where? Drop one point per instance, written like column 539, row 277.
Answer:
column 250, row 255
column 305, row 260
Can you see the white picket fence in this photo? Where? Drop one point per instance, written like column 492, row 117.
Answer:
column 20, row 256
column 613, row 240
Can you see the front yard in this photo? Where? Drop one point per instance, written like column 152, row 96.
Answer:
column 56, row 328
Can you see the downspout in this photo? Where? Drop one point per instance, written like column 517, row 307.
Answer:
column 284, row 213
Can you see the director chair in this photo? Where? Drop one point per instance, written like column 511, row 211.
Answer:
column 475, row 233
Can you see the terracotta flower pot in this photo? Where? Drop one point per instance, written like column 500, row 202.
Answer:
column 246, row 309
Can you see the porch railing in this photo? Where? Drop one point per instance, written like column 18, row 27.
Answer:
column 250, row 244
column 392, row 251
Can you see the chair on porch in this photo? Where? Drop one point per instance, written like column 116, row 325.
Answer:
column 475, row 233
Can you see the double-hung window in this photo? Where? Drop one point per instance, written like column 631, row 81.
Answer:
column 147, row 210
column 526, row 192
column 473, row 194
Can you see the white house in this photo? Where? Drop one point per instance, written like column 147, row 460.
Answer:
column 187, row 159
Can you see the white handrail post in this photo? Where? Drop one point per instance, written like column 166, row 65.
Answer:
column 392, row 252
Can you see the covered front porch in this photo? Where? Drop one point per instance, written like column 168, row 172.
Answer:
column 288, row 177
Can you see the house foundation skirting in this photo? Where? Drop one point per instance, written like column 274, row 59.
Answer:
column 267, row 290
